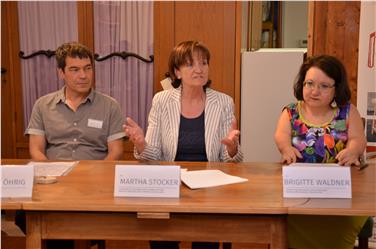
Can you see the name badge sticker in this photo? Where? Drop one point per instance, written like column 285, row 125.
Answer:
column 17, row 181
column 95, row 123
column 147, row 181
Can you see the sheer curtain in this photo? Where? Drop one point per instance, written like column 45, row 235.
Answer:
column 43, row 26
column 118, row 26
column 125, row 26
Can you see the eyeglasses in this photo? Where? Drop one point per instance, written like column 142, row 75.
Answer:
column 322, row 86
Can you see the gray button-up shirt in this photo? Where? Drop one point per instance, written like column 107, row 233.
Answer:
column 80, row 135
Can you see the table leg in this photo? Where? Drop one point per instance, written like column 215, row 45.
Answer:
column 33, row 231
column 82, row 244
column 279, row 233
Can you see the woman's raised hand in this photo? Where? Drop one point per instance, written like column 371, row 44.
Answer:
column 135, row 134
column 232, row 139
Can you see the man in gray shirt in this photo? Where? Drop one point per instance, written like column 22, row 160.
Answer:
column 76, row 122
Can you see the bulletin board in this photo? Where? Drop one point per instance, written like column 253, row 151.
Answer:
column 366, row 99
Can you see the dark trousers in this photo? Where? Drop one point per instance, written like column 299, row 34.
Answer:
column 60, row 244
column 175, row 245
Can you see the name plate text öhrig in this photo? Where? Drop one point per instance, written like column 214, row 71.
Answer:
column 308, row 180
column 147, row 181
column 17, row 181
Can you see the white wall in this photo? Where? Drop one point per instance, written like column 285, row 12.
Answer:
column 294, row 23
column 267, row 80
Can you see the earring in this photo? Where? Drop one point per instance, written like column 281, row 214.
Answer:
column 333, row 104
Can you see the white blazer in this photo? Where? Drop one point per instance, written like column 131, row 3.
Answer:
column 164, row 122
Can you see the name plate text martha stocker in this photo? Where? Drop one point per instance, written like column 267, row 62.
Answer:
column 147, row 181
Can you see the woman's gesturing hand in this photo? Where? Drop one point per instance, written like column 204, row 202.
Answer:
column 135, row 134
column 232, row 139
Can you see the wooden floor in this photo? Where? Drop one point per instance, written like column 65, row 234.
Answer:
column 19, row 243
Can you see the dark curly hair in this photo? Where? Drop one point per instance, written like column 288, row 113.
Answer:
column 334, row 69
column 74, row 50
column 183, row 54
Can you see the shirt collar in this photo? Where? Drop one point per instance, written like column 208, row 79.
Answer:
column 60, row 96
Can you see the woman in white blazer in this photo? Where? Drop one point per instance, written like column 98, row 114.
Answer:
column 189, row 122
column 191, row 98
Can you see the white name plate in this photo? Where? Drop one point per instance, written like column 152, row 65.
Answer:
column 307, row 180
column 147, row 181
column 17, row 181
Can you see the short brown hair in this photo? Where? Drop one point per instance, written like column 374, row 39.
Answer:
column 183, row 54
column 333, row 68
column 74, row 50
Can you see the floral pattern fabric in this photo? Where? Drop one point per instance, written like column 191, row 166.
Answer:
column 319, row 144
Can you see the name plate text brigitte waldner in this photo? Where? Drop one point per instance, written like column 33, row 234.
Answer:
column 308, row 180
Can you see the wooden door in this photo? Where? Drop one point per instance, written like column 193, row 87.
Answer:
column 334, row 30
column 216, row 24
column 11, row 100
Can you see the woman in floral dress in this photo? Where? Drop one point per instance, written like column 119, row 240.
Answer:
column 322, row 127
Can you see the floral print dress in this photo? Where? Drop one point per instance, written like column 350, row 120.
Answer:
column 318, row 144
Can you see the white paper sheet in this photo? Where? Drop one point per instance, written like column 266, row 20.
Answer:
column 208, row 178
column 52, row 168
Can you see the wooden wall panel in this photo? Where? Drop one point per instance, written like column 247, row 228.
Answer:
column 237, row 72
column 85, row 23
column 334, row 30
column 11, row 114
column 164, row 27
column 254, row 25
column 205, row 21
column 7, row 145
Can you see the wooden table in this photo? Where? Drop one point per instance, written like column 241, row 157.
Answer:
column 362, row 203
column 81, row 206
